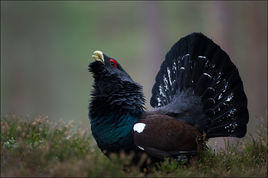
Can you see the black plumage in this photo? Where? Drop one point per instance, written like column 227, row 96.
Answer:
column 198, row 94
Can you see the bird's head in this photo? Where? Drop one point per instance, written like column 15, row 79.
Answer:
column 113, row 85
column 105, row 67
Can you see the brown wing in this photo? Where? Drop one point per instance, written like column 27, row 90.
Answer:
column 164, row 136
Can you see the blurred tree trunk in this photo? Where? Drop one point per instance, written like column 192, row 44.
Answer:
column 226, row 12
column 153, row 21
column 257, row 66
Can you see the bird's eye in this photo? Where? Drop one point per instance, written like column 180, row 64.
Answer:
column 113, row 63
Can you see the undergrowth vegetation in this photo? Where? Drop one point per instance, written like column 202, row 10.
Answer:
column 39, row 148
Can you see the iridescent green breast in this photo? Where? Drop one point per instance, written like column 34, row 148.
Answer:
column 113, row 133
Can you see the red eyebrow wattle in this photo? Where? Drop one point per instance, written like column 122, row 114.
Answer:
column 114, row 62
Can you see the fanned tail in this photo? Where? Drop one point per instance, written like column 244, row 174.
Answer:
column 198, row 77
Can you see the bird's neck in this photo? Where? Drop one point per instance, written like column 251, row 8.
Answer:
column 113, row 112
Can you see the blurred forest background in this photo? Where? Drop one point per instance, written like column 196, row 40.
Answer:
column 46, row 48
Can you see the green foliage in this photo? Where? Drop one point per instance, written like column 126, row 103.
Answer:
column 36, row 148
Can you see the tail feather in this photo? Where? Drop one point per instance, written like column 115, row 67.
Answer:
column 202, row 84
column 197, row 71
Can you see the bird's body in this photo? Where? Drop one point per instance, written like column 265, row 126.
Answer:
column 198, row 94
column 170, row 134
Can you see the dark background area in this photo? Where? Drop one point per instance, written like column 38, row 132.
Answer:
column 46, row 48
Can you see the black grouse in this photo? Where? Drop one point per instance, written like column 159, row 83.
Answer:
column 198, row 94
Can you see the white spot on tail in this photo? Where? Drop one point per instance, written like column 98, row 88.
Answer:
column 140, row 148
column 185, row 55
column 230, row 97
column 207, row 75
column 158, row 101
column 203, row 57
column 169, row 77
column 220, row 96
column 165, row 83
column 139, row 127
column 174, row 67
column 161, row 91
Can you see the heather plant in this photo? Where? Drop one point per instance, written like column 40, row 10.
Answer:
column 38, row 147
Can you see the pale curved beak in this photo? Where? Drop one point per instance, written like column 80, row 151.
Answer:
column 98, row 56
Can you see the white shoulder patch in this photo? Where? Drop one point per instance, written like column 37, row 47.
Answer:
column 140, row 147
column 139, row 127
